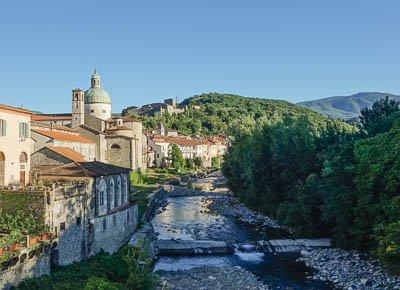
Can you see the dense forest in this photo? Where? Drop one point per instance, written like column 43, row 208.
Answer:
column 213, row 113
column 323, row 180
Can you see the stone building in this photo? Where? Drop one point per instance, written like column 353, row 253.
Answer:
column 88, row 208
column 118, row 140
column 63, row 137
column 15, row 147
column 169, row 106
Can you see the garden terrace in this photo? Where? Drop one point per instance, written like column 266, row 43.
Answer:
column 22, row 214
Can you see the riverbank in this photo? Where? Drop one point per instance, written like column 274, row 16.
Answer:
column 348, row 269
column 216, row 278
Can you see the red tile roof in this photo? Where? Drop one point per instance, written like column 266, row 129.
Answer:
column 52, row 117
column 15, row 109
column 63, row 136
column 68, row 153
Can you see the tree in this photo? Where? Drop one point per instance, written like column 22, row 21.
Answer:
column 216, row 162
column 177, row 160
column 373, row 119
column 197, row 162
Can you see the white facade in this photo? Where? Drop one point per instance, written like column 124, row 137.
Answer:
column 14, row 146
column 98, row 110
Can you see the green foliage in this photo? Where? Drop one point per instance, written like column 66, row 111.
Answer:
column 98, row 283
column 139, row 265
column 374, row 120
column 216, row 162
column 103, row 271
column 177, row 160
column 213, row 114
column 21, row 214
column 137, row 178
column 322, row 179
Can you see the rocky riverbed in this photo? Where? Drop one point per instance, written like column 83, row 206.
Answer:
column 349, row 270
column 230, row 206
column 215, row 278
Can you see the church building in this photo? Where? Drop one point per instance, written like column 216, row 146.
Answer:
column 118, row 140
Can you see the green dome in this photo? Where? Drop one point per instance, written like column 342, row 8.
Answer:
column 97, row 95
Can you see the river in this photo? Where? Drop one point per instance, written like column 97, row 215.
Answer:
column 188, row 218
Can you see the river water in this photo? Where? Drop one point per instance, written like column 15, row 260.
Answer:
column 188, row 218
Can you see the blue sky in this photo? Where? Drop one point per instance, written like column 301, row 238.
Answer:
column 146, row 51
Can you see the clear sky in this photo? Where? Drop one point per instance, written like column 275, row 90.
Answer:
column 146, row 51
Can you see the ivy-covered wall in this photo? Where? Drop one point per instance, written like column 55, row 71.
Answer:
column 21, row 213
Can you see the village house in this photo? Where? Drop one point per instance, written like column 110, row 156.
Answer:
column 15, row 146
column 191, row 148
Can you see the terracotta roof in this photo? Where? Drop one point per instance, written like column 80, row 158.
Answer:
column 68, row 153
column 58, row 127
column 81, row 169
column 181, row 141
column 15, row 109
column 63, row 136
column 53, row 117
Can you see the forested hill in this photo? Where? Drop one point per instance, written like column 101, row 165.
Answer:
column 346, row 107
column 214, row 113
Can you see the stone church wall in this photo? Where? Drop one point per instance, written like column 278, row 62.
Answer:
column 48, row 157
column 121, row 156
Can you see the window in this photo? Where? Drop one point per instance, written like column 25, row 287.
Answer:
column 104, row 111
column 104, row 224
column 115, row 146
column 101, row 198
column 127, row 216
column 91, row 111
column 114, row 221
column 78, row 221
column 23, row 130
column 62, row 226
column 3, row 127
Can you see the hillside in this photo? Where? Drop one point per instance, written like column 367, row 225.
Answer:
column 345, row 107
column 214, row 113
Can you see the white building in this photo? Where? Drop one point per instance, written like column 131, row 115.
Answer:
column 14, row 145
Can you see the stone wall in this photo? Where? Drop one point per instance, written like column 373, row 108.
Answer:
column 29, row 265
column 121, row 156
column 118, row 230
column 67, row 217
column 48, row 157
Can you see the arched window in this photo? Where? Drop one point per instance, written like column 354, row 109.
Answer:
column 119, row 191
column 111, row 194
column 101, row 193
column 23, row 158
column 125, row 190
column 115, row 146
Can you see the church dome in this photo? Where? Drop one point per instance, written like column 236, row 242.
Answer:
column 96, row 94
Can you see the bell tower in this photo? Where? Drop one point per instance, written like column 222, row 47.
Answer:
column 78, row 108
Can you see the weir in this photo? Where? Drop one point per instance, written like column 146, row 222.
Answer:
column 208, row 247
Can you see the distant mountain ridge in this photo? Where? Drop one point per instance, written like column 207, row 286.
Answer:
column 345, row 107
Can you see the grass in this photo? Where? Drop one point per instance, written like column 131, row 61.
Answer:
column 144, row 183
